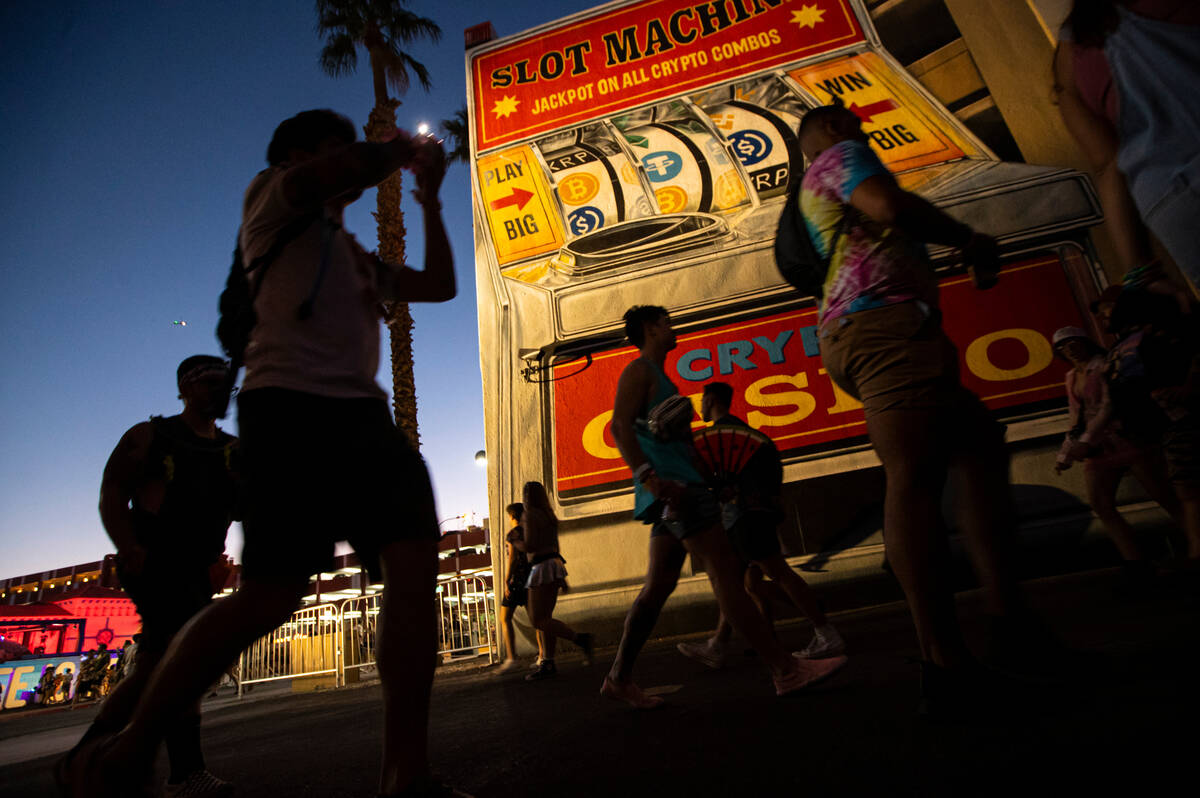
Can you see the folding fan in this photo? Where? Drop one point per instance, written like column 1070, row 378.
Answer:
column 722, row 451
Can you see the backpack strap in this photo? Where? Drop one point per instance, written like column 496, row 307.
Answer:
column 289, row 233
column 327, row 231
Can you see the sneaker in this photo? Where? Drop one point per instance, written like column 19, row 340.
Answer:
column 200, row 783
column 587, row 643
column 631, row 694
column 807, row 672
column 704, row 653
column 508, row 666
column 545, row 670
column 823, row 647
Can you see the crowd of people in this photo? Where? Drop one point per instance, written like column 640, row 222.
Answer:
column 319, row 454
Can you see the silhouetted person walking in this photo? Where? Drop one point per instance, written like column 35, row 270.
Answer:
column 651, row 426
column 322, row 457
column 882, row 342
column 751, row 516
column 167, row 498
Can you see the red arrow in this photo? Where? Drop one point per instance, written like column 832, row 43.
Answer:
column 518, row 197
column 865, row 112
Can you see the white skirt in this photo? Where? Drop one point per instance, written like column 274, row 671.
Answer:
column 550, row 572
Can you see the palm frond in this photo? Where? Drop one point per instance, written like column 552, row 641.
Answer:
column 339, row 56
column 408, row 27
column 459, row 132
column 399, row 66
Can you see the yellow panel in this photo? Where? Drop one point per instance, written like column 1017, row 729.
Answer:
column 516, row 199
column 906, row 130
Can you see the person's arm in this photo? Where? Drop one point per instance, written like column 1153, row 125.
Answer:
column 436, row 282
column 124, row 466
column 1098, row 142
column 350, row 169
column 882, row 199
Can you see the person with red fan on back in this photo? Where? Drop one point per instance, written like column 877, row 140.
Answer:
column 670, row 495
column 750, row 515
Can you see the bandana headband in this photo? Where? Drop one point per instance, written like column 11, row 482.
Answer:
column 203, row 370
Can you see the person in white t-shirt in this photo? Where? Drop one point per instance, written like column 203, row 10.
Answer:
column 322, row 457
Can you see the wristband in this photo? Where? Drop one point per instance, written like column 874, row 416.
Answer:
column 643, row 472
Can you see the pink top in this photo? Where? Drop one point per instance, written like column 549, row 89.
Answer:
column 1092, row 401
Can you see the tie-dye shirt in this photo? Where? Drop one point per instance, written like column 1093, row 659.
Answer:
column 874, row 265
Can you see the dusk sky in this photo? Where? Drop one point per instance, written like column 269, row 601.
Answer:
column 132, row 129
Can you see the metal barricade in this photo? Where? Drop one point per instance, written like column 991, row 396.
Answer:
column 309, row 644
column 466, row 620
column 360, row 622
column 341, row 639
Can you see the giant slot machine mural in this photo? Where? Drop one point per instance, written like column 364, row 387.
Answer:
column 639, row 153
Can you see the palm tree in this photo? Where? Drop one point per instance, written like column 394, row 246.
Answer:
column 458, row 132
column 383, row 27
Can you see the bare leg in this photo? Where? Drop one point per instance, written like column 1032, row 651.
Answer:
column 725, row 576
column 407, row 645
column 906, row 442
column 759, row 594
column 542, row 600
column 666, row 560
column 197, row 657
column 1102, row 486
column 510, row 637
column 793, row 585
column 984, row 512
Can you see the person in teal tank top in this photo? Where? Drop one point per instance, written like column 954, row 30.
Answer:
column 671, row 458
column 652, row 430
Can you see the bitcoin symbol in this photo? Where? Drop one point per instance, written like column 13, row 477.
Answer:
column 729, row 190
column 627, row 174
column 578, row 188
column 671, row 199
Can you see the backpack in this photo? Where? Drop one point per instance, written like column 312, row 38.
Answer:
column 796, row 255
column 236, row 305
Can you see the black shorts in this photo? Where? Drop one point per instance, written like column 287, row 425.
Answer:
column 753, row 536
column 319, row 470
column 515, row 596
column 697, row 512
column 167, row 595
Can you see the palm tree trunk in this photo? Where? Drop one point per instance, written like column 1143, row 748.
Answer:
column 389, row 219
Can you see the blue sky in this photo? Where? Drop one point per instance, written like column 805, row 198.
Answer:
column 130, row 132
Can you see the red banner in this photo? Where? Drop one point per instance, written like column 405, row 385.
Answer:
column 640, row 53
column 781, row 388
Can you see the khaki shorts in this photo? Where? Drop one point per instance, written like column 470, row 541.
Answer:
column 898, row 358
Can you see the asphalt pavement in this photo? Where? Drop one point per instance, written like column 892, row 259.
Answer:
column 1127, row 715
